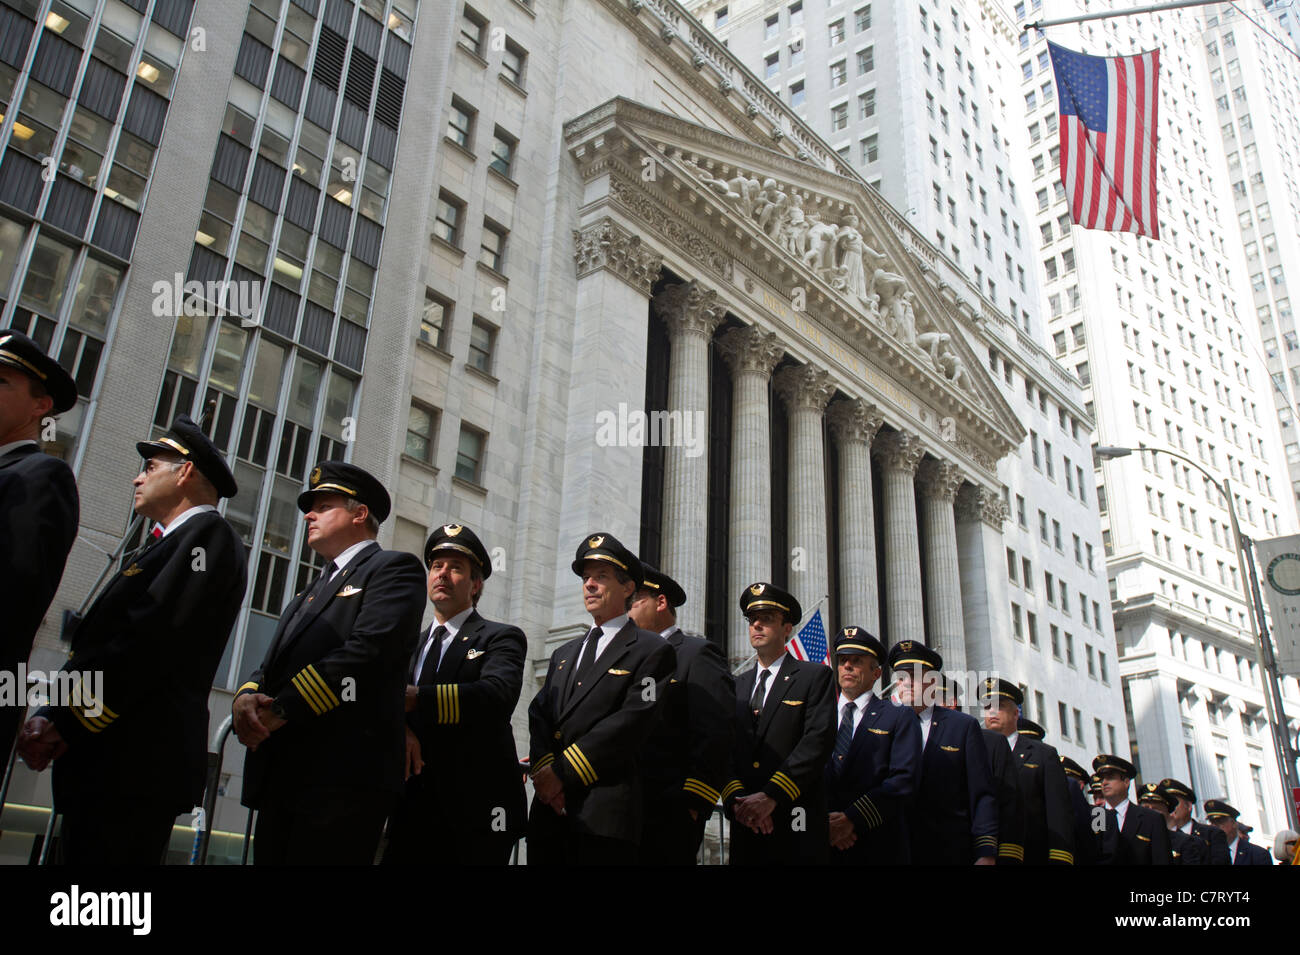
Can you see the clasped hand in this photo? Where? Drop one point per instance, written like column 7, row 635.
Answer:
column 254, row 721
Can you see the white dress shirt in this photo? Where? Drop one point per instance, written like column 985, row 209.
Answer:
column 185, row 516
column 1011, row 740
column 926, row 716
column 1121, row 810
column 345, row 558
column 453, row 625
column 773, row 669
column 860, row 705
column 607, row 631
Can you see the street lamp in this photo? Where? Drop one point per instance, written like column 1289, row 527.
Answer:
column 1263, row 650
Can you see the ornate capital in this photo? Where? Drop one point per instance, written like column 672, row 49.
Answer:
column 898, row 451
column 854, row 420
column 607, row 245
column 976, row 503
column 750, row 350
column 805, row 387
column 940, row 479
column 689, row 309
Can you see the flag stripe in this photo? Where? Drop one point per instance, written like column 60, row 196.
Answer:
column 1107, row 109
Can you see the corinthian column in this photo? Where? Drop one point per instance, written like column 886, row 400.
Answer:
column 940, row 481
column 985, row 600
column 806, row 389
column 855, row 424
column 691, row 314
column 899, row 454
column 751, row 354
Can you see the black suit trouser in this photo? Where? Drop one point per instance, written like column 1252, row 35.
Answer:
column 117, row 830
column 421, row 832
column 669, row 836
column 321, row 827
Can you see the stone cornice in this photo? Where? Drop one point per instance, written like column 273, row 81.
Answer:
column 669, row 221
column 605, row 244
column 701, row 62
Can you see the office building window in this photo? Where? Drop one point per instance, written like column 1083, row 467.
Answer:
column 469, row 454
column 421, row 432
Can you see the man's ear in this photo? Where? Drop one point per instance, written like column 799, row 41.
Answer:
column 360, row 514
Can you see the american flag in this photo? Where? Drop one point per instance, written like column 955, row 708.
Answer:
column 810, row 642
column 1108, row 138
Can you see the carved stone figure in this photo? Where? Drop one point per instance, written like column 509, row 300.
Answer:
column 794, row 227
column 901, row 319
column 819, row 243
column 954, row 369
column 850, row 250
column 933, row 342
column 769, row 219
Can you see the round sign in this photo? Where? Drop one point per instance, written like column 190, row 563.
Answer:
column 1283, row 574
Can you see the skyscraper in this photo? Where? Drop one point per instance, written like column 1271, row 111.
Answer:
column 1165, row 337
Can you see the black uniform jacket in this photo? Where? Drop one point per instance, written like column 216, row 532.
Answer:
column 462, row 719
column 784, row 757
column 1143, row 840
column 594, row 735
column 1011, row 804
column 1086, row 845
column 688, row 757
column 39, row 511
column 875, row 783
column 1187, row 849
column 955, row 817
column 339, row 671
column 1216, row 842
column 1049, row 820
column 1250, row 854
column 156, row 634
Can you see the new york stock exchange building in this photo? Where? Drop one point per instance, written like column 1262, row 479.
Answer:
column 722, row 346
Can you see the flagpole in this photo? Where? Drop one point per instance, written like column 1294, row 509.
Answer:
column 1178, row 4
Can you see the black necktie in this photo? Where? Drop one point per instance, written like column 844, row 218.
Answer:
column 760, row 695
column 1110, row 839
column 844, row 737
column 433, row 658
column 150, row 539
column 587, row 659
column 317, row 592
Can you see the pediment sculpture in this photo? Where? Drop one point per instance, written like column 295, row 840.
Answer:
column 840, row 255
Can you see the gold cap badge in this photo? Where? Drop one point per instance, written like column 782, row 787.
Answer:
column 451, row 530
column 595, row 541
column 315, row 476
column 756, row 589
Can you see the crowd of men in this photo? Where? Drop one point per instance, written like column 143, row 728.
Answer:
column 368, row 737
